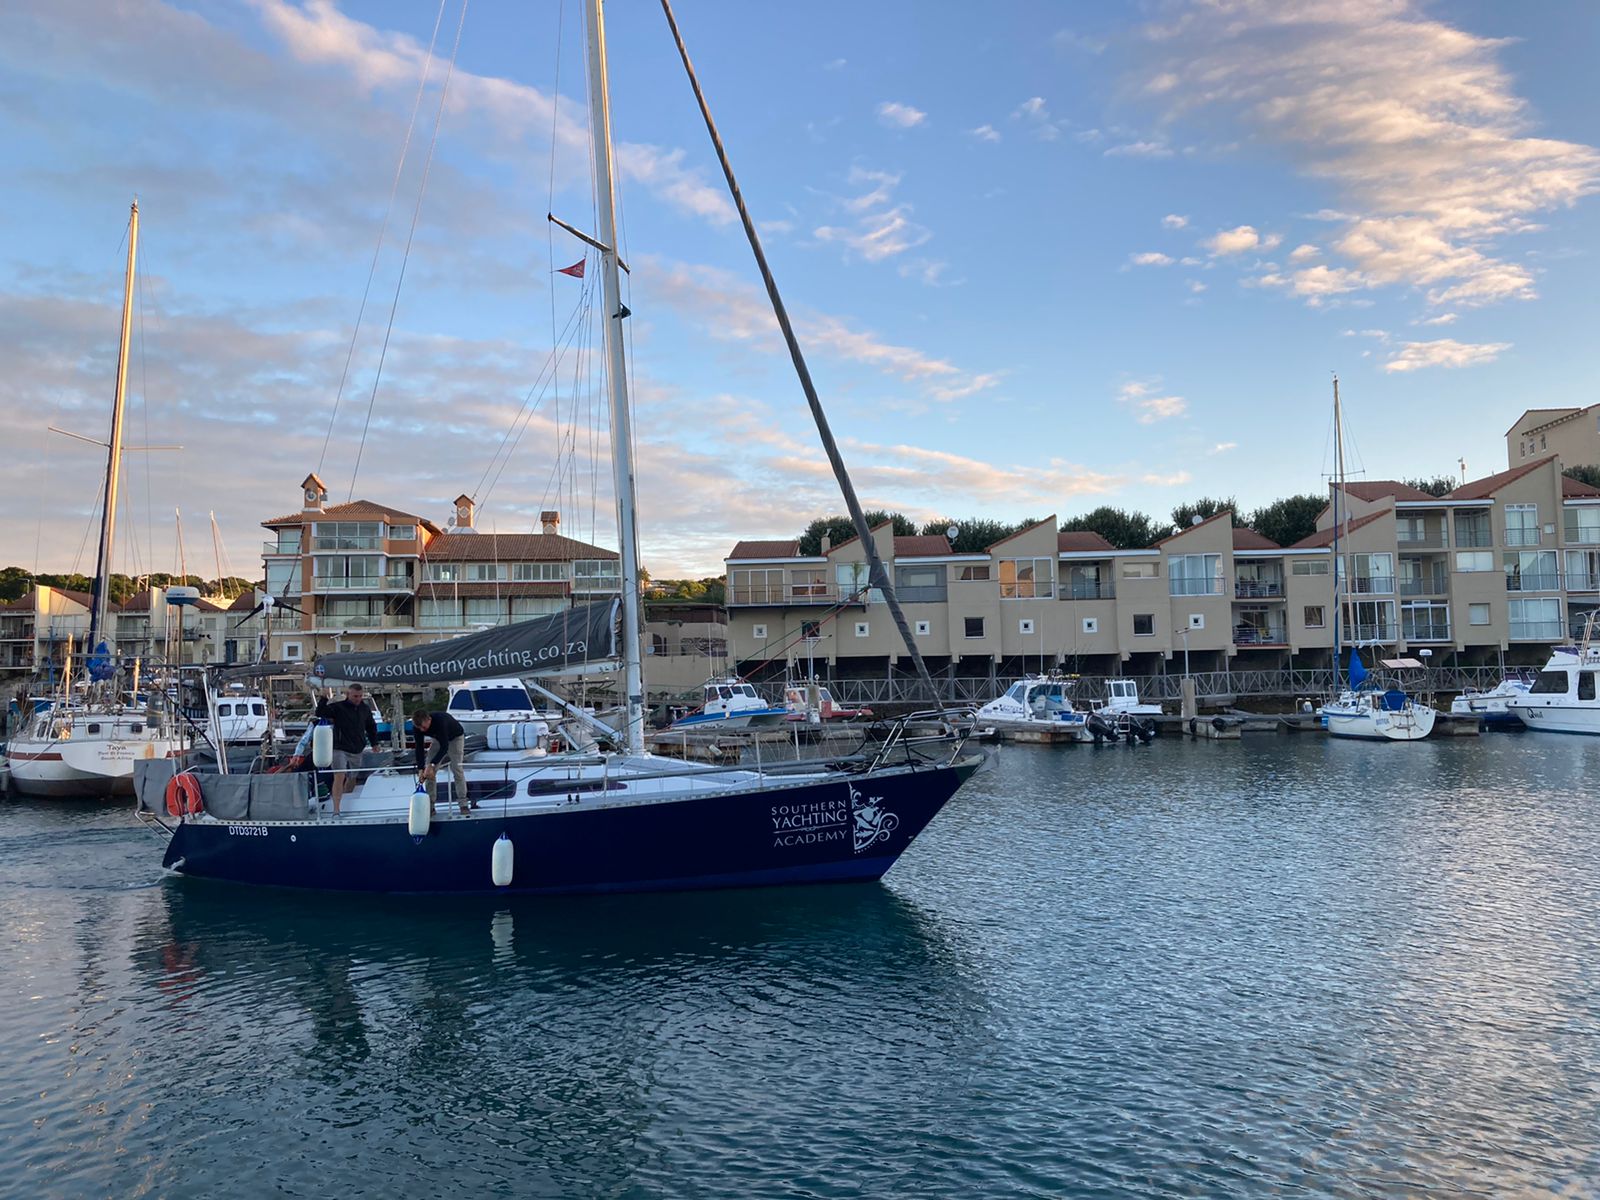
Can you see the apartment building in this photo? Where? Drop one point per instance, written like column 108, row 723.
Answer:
column 1571, row 434
column 368, row 576
column 39, row 629
column 1502, row 567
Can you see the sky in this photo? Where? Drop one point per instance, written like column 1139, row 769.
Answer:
column 1040, row 256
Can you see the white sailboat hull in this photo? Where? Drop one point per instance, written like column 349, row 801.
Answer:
column 81, row 767
column 1361, row 721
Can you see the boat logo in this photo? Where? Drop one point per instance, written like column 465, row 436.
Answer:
column 873, row 823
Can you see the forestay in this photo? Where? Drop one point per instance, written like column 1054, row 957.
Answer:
column 585, row 636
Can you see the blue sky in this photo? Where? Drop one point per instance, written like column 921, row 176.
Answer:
column 1048, row 257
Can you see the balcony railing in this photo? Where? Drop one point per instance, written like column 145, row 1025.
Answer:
column 923, row 594
column 361, row 621
column 281, row 548
column 1210, row 586
column 1577, row 535
column 1542, row 631
column 1522, row 537
column 1413, row 631
column 597, row 583
column 340, row 542
column 1529, row 582
column 1087, row 589
column 1582, row 582
column 1257, row 589
column 1423, row 587
column 1473, row 539
column 1371, row 585
column 1370, row 633
column 1260, row 635
column 799, row 593
column 1431, row 540
column 363, row 583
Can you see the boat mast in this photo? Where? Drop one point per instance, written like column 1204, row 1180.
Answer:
column 1338, row 500
column 616, row 377
column 100, row 604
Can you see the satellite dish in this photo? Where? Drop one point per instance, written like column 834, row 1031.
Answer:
column 951, row 532
column 1197, row 519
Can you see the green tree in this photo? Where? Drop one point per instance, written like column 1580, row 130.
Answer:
column 14, row 583
column 1289, row 520
column 1437, row 486
column 1589, row 475
column 1123, row 529
column 841, row 529
column 974, row 535
column 1205, row 508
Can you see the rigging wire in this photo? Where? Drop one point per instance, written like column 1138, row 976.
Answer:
column 416, row 212
column 394, row 190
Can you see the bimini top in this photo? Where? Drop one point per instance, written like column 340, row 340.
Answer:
column 575, row 639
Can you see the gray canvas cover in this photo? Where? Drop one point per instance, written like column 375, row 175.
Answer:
column 282, row 797
column 548, row 645
column 150, row 778
column 227, row 797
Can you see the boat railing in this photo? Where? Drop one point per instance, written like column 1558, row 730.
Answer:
column 949, row 725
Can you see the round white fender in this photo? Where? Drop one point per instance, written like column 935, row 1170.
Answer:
column 421, row 816
column 500, row 862
column 322, row 746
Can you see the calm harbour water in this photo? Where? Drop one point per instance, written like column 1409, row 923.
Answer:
column 1283, row 967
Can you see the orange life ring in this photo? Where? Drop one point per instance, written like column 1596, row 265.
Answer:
column 183, row 795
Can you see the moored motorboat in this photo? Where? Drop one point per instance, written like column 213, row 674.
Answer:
column 732, row 704
column 1563, row 697
column 1036, row 707
column 1492, row 706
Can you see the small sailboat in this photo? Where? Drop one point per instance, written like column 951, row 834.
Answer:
column 1366, row 711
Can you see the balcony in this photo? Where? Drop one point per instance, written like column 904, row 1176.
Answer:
column 1260, row 635
column 1195, row 587
column 1522, row 537
column 597, row 583
column 924, row 594
column 340, row 542
column 1473, row 539
column 361, row 621
column 1528, row 582
column 1257, row 589
column 1088, row 589
column 363, row 583
column 1536, row 631
column 777, row 594
column 1431, row 540
column 1370, row 633
column 284, row 549
column 1424, row 631
column 1580, row 535
column 1582, row 582
column 1436, row 586
column 1372, row 585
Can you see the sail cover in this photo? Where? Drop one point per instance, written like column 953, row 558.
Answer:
column 558, row 643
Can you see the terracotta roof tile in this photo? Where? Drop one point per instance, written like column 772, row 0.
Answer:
column 1050, row 520
column 1217, row 516
column 354, row 510
column 771, row 549
column 929, row 546
column 1576, row 487
column 1324, row 537
column 1383, row 489
column 1482, row 489
column 1080, row 541
column 1249, row 539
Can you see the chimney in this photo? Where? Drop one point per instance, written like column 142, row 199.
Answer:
column 316, row 493
column 549, row 521
column 465, row 511
column 827, row 543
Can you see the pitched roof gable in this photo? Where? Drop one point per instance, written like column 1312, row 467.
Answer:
column 1382, row 489
column 1216, row 516
column 1482, row 489
column 1248, row 539
column 767, row 549
column 1080, row 541
column 1324, row 537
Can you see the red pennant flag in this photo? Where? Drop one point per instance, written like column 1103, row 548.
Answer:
column 575, row 270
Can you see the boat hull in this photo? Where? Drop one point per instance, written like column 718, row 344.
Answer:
column 756, row 719
column 816, row 831
column 1557, row 717
column 87, row 768
column 1404, row 726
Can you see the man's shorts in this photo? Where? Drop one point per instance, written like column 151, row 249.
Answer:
column 346, row 760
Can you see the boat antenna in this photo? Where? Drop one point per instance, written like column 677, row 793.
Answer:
column 878, row 577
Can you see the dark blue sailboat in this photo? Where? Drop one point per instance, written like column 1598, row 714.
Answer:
column 572, row 822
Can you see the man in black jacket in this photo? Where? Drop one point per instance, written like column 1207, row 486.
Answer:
column 449, row 743
column 353, row 728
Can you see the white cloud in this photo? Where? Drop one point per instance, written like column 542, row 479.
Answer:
column 985, row 133
column 1446, row 352
column 1151, row 258
column 1315, row 284
column 1412, row 124
column 1238, row 240
column 883, row 229
column 1223, row 448
column 1303, row 252
column 1140, row 149
column 837, row 64
column 1448, row 318
column 1196, row 286
column 1146, row 398
column 1034, row 114
column 1176, row 479
column 900, row 116
column 1174, row 221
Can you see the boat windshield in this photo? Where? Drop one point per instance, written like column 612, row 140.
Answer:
column 1016, row 692
column 1550, row 683
column 502, row 699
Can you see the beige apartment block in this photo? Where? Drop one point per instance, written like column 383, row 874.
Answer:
column 368, row 576
column 1571, row 434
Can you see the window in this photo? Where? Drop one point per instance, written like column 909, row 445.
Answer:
column 1195, row 575
column 1425, row 621
column 1309, row 566
column 1371, row 573
column 1316, row 616
column 598, row 574
column 1586, row 685
column 808, row 583
column 811, row 630
column 1087, row 583
column 1474, row 560
column 288, row 541
column 757, row 585
column 1535, row 619
column 433, row 613
column 347, row 571
column 920, row 584
column 283, row 577
column 1140, row 570
column 863, row 629
column 488, row 572
column 484, row 610
column 291, row 651
column 1411, row 529
column 1477, row 614
column 1582, row 525
column 1374, row 620
column 1026, row 578
column 1472, row 529
column 1583, row 570
column 759, row 632
column 547, row 572
column 1522, row 524
column 853, row 578
column 402, row 533
column 1144, row 624
column 1091, row 624
column 1197, row 620
column 523, row 607
column 973, row 627
column 1532, row 571
column 1025, row 626
column 445, row 573
column 347, row 535
column 974, row 572
column 924, row 628
column 1549, row 683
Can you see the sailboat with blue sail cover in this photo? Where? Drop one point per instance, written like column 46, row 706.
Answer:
column 538, row 822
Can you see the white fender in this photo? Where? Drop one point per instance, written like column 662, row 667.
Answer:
column 322, row 747
column 421, row 817
column 500, row 862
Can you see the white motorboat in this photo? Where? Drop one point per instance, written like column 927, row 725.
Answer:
column 1492, row 706
column 1036, row 704
column 1563, row 697
column 480, row 704
column 732, row 704
column 1122, row 699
